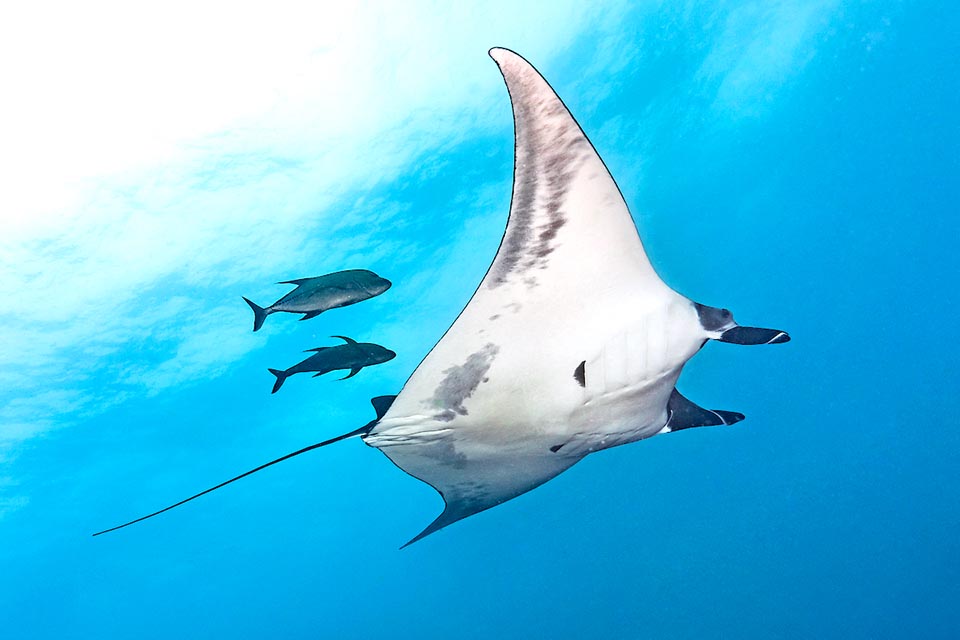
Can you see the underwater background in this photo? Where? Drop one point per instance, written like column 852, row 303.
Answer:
column 794, row 161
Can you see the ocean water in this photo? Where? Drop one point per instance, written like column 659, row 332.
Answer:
column 796, row 162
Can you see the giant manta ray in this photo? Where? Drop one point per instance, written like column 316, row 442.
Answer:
column 571, row 344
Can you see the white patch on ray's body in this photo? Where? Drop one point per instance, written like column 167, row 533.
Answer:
column 571, row 282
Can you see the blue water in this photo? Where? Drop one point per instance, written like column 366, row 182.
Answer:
column 794, row 162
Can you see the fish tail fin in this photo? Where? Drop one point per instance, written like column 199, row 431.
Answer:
column 281, row 376
column 259, row 313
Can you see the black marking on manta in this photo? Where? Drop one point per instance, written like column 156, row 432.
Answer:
column 580, row 374
column 491, row 412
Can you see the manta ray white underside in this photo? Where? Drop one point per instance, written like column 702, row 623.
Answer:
column 571, row 343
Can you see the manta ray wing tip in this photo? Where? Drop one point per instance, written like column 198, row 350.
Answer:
column 502, row 55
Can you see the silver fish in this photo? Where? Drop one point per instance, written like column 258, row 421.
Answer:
column 353, row 356
column 315, row 295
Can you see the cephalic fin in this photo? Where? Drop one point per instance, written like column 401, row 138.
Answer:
column 686, row 415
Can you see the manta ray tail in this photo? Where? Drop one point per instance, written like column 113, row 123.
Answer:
column 281, row 376
column 380, row 405
column 259, row 313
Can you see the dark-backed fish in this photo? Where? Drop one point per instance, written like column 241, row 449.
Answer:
column 313, row 296
column 352, row 356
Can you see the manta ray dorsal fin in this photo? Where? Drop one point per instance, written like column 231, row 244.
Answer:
column 382, row 404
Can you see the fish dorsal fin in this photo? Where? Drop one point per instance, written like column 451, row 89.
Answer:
column 318, row 349
column 298, row 281
column 346, row 339
column 381, row 404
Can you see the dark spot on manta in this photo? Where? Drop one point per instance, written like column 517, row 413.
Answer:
column 712, row 318
column 580, row 373
column 461, row 381
column 551, row 231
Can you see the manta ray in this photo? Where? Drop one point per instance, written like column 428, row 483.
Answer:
column 571, row 344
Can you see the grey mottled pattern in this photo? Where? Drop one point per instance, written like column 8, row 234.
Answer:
column 461, row 381
column 550, row 148
column 444, row 452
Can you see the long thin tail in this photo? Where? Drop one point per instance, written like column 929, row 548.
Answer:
column 281, row 376
column 362, row 430
column 259, row 313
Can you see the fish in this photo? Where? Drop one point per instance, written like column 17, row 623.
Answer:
column 313, row 296
column 353, row 356
column 570, row 345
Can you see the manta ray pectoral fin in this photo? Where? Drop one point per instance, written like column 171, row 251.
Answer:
column 352, row 373
column 448, row 517
column 310, row 314
column 686, row 415
column 472, row 485
column 753, row 335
